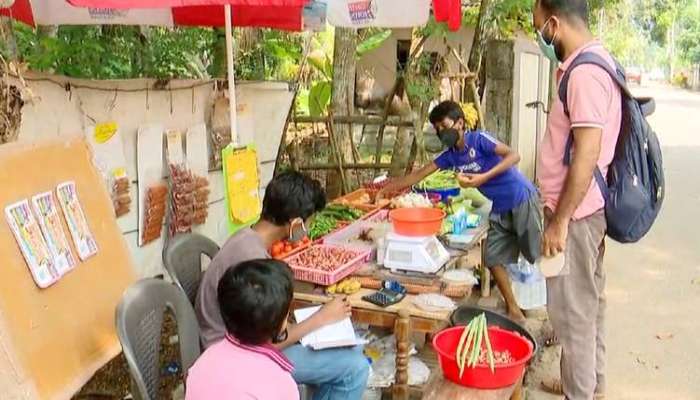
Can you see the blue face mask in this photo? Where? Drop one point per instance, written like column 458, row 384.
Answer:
column 547, row 48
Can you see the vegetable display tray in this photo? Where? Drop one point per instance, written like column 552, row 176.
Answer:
column 354, row 199
column 326, row 278
column 342, row 236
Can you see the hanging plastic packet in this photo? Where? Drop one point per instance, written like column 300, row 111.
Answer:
column 529, row 285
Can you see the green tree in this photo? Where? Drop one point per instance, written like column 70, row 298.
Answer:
column 689, row 38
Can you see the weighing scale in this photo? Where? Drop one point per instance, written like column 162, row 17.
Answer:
column 423, row 254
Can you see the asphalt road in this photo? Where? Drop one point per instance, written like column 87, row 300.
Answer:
column 654, row 286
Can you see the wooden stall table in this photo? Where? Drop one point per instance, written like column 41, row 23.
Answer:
column 440, row 388
column 479, row 240
column 403, row 317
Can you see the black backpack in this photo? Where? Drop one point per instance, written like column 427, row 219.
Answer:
column 634, row 188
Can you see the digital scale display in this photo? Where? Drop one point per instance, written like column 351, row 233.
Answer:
column 433, row 250
column 401, row 256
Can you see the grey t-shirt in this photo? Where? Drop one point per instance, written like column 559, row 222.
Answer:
column 242, row 246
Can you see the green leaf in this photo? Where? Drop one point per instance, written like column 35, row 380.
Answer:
column 319, row 98
column 303, row 102
column 373, row 42
column 317, row 59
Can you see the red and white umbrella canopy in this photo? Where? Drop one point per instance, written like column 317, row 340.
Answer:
column 279, row 14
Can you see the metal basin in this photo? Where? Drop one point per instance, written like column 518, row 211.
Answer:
column 462, row 315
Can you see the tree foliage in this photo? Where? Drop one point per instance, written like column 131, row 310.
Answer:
column 689, row 39
column 116, row 52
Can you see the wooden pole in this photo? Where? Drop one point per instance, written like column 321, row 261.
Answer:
column 336, row 151
column 292, row 107
column 331, row 166
column 472, row 88
column 354, row 119
column 402, row 331
column 382, row 126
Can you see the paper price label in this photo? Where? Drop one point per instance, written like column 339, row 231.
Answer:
column 105, row 131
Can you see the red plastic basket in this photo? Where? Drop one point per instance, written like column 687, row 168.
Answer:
column 480, row 376
column 327, row 278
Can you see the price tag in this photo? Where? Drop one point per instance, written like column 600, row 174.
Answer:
column 105, row 131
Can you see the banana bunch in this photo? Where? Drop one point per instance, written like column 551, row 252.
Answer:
column 346, row 286
column 470, row 114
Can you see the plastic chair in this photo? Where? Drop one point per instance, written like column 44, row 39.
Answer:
column 182, row 258
column 139, row 319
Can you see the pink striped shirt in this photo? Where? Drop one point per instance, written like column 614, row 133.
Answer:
column 230, row 370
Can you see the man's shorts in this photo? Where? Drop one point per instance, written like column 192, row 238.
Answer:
column 515, row 232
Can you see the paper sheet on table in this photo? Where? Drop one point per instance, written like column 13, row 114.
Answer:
column 340, row 334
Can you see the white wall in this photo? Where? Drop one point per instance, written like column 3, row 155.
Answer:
column 531, row 83
column 57, row 112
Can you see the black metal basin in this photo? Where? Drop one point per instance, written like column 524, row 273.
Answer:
column 462, row 315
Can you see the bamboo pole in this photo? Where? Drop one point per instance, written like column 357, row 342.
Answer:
column 332, row 166
column 382, row 126
column 336, row 152
column 472, row 88
column 355, row 119
column 292, row 108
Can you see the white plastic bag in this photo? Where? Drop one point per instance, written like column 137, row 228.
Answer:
column 529, row 285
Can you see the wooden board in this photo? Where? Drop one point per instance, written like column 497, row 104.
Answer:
column 52, row 340
column 440, row 388
column 356, row 301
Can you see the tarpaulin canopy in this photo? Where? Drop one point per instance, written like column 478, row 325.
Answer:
column 278, row 14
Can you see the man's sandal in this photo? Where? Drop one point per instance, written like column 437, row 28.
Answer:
column 553, row 386
column 551, row 340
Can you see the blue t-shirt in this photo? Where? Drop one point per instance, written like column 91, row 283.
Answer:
column 507, row 190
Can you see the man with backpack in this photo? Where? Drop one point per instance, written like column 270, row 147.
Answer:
column 575, row 222
column 600, row 173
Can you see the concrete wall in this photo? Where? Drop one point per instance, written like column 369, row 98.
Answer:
column 499, row 91
column 57, row 112
column 380, row 64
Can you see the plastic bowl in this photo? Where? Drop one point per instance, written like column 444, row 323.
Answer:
column 480, row 376
column 417, row 221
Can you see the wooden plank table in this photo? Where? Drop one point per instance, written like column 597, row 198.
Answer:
column 440, row 388
column 403, row 317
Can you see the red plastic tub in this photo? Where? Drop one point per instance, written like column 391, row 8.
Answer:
column 417, row 221
column 480, row 376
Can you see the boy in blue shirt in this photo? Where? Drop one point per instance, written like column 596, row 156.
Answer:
column 485, row 163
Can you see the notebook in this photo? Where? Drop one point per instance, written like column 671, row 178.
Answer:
column 339, row 334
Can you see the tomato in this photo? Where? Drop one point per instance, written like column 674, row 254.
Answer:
column 277, row 248
column 288, row 248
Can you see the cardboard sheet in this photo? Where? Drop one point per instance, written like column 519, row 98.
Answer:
column 52, row 340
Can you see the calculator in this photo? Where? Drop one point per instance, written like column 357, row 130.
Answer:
column 391, row 293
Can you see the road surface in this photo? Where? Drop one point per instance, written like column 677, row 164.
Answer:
column 653, row 286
